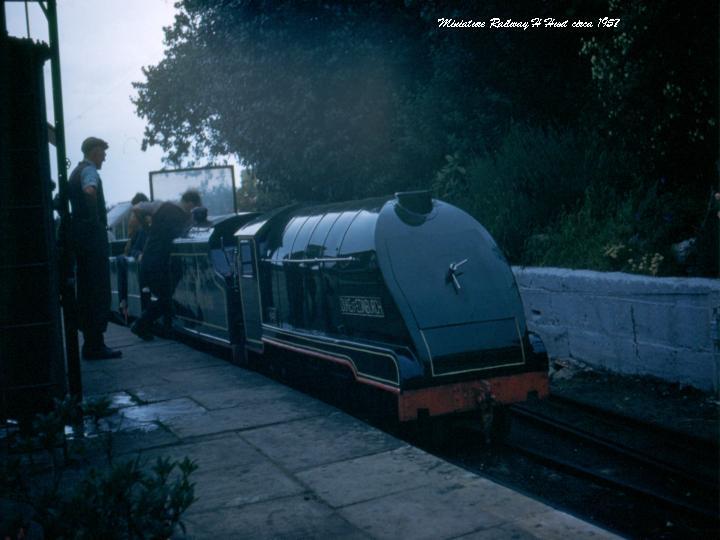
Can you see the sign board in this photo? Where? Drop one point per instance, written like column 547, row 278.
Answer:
column 216, row 186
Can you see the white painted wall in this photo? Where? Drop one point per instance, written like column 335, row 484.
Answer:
column 666, row 327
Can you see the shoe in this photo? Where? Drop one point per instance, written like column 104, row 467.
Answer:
column 101, row 353
column 141, row 331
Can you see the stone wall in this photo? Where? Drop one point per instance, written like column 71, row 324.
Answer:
column 665, row 327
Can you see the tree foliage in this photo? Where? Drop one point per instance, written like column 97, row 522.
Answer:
column 657, row 81
column 303, row 92
column 336, row 100
column 332, row 100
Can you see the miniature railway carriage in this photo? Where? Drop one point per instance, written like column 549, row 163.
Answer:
column 410, row 294
column 126, row 272
column 202, row 271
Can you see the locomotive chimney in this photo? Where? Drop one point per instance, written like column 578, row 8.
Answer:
column 417, row 202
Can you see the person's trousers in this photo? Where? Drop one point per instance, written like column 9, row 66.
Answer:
column 158, row 281
column 93, row 291
column 156, row 309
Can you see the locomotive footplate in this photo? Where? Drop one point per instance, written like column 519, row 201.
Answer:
column 471, row 395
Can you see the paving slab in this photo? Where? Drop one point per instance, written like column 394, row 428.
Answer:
column 429, row 512
column 469, row 507
column 178, row 359
column 249, row 483
column 373, row 476
column 134, row 440
column 209, row 375
column 555, row 525
column 275, row 463
column 244, row 417
column 289, row 518
column 114, row 379
column 249, row 391
column 131, row 343
column 502, row 501
column 122, row 399
column 230, row 473
column 194, row 384
column 502, row 532
column 158, row 391
column 212, row 453
column 162, row 411
column 296, row 445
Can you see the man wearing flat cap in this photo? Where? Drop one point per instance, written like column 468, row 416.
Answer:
column 90, row 242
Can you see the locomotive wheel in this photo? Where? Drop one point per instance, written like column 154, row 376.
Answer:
column 238, row 355
column 500, row 427
column 432, row 432
column 243, row 357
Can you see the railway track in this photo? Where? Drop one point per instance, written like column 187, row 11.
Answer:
column 677, row 451
column 675, row 472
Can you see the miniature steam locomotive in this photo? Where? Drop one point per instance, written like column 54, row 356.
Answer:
column 407, row 294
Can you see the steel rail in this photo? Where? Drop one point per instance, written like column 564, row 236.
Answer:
column 705, row 446
column 594, row 474
column 618, row 447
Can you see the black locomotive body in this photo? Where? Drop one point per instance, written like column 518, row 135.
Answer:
column 410, row 294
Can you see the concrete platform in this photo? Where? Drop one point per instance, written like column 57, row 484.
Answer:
column 275, row 463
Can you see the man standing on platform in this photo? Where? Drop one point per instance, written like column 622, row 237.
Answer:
column 90, row 243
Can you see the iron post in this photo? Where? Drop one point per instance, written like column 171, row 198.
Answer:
column 67, row 271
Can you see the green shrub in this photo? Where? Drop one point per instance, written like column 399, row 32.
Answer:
column 631, row 232
column 536, row 177
column 566, row 198
column 593, row 237
column 124, row 502
column 42, row 481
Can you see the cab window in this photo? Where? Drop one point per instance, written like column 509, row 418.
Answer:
column 247, row 266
